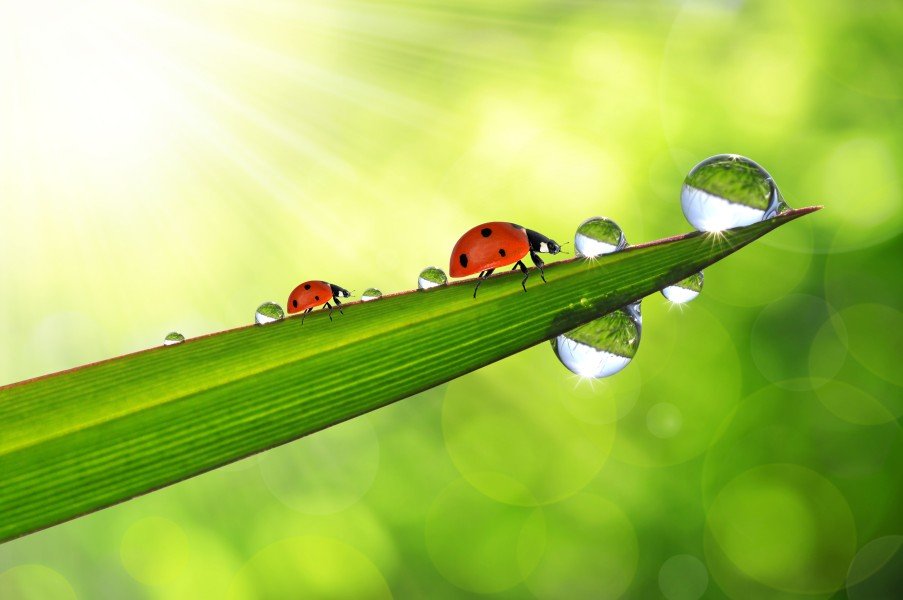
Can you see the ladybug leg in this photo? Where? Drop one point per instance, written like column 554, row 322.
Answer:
column 520, row 265
column 338, row 305
column 304, row 314
column 538, row 262
column 483, row 275
column 329, row 306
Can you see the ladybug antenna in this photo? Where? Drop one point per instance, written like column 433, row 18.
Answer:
column 560, row 246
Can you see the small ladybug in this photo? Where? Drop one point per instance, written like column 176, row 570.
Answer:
column 496, row 244
column 311, row 294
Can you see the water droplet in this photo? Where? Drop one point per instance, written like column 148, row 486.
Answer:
column 727, row 191
column 431, row 277
column 685, row 290
column 172, row 338
column 602, row 347
column 782, row 206
column 268, row 312
column 598, row 236
column 371, row 294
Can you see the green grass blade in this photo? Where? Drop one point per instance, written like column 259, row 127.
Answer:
column 84, row 439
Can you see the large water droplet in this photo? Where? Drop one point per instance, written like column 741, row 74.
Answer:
column 268, row 312
column 172, row 338
column 727, row 191
column 684, row 290
column 371, row 294
column 602, row 347
column 597, row 236
column 431, row 277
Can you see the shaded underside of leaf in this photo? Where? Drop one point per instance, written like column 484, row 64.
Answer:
column 84, row 439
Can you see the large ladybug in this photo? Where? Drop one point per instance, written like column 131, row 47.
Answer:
column 489, row 246
column 311, row 294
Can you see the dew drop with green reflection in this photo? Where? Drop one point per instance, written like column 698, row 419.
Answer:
column 268, row 312
column 371, row 294
column 729, row 190
column 601, row 347
column 431, row 277
column 597, row 236
column 172, row 338
column 685, row 290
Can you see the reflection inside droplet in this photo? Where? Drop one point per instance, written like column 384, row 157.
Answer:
column 172, row 338
column 268, row 312
column 727, row 191
column 598, row 236
column 602, row 347
column 431, row 277
column 684, row 290
column 371, row 294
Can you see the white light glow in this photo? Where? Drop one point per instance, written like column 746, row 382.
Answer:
column 73, row 88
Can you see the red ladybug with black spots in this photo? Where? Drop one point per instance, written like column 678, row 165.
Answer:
column 311, row 294
column 489, row 246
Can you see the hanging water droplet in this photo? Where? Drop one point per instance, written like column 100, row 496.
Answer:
column 268, row 312
column 727, row 191
column 598, row 236
column 602, row 347
column 782, row 206
column 371, row 294
column 684, row 290
column 431, row 277
column 634, row 310
column 172, row 338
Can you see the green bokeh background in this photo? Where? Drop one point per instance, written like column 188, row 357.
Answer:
column 207, row 156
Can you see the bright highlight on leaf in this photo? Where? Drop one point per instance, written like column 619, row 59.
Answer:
column 84, row 439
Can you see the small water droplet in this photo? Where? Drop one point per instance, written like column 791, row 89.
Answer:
column 371, row 294
column 268, row 312
column 684, row 290
column 172, row 338
column 598, row 236
column 727, row 191
column 602, row 347
column 431, row 277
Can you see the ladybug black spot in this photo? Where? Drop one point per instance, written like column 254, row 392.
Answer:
column 486, row 232
column 306, row 286
column 502, row 252
column 295, row 303
column 316, row 297
column 463, row 260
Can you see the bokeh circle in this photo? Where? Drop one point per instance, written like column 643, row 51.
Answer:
column 875, row 571
column 481, row 545
column 325, row 472
column 591, row 550
column 155, row 551
column 683, row 577
column 511, row 437
column 35, row 582
column 784, row 526
column 309, row 566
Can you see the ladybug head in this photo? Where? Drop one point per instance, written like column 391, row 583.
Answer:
column 339, row 292
column 553, row 247
column 540, row 243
